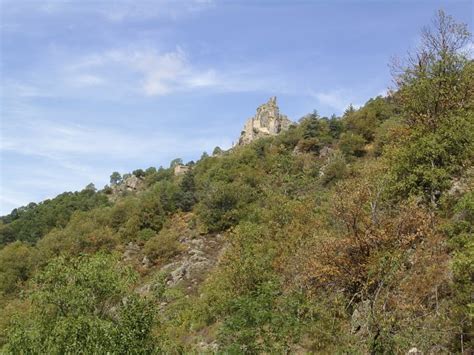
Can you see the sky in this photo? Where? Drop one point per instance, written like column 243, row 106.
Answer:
column 89, row 87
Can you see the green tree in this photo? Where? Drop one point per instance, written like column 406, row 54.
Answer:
column 188, row 190
column 177, row 161
column 217, row 151
column 352, row 144
column 83, row 306
column 115, row 178
column 17, row 262
column 90, row 187
column 436, row 95
column 139, row 173
column 437, row 79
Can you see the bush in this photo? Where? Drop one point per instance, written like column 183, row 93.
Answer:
column 224, row 205
column 78, row 307
column 335, row 169
column 163, row 246
column 309, row 145
column 17, row 261
column 352, row 144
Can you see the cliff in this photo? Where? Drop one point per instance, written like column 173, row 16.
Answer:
column 267, row 122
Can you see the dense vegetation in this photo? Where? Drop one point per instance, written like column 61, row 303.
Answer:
column 349, row 234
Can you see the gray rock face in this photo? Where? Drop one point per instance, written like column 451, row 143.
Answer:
column 192, row 266
column 267, row 122
column 131, row 251
column 360, row 319
column 130, row 183
column 181, row 169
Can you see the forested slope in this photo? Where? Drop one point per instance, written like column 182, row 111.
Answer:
column 349, row 234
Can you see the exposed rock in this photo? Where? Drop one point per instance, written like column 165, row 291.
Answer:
column 191, row 267
column 267, row 122
column 462, row 184
column 414, row 351
column 212, row 347
column 130, row 183
column 325, row 152
column 181, row 169
column 146, row 262
column 360, row 319
column 297, row 150
column 131, row 250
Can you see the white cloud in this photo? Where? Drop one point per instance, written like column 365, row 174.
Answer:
column 336, row 99
column 66, row 142
column 23, row 90
column 10, row 200
column 52, row 157
column 112, row 11
column 84, row 80
column 148, row 71
column 132, row 10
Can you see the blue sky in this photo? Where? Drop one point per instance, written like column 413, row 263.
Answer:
column 90, row 87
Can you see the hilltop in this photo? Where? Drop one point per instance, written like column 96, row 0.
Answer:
column 348, row 234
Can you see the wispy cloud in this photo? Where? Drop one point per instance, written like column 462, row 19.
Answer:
column 86, row 80
column 53, row 156
column 336, row 99
column 116, row 11
column 143, row 72
column 58, row 141
column 153, row 73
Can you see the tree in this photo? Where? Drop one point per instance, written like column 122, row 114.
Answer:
column 187, row 194
column 349, row 110
column 115, row 178
column 335, row 126
column 217, row 151
column 90, row 187
column 17, row 261
column 436, row 95
column 32, row 222
column 151, row 170
column 177, row 161
column 83, row 305
column 365, row 120
column 438, row 78
column 139, row 173
column 352, row 144
column 311, row 126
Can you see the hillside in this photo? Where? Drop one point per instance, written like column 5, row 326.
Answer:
column 349, row 234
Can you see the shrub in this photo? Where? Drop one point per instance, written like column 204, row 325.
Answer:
column 352, row 144
column 163, row 246
column 335, row 169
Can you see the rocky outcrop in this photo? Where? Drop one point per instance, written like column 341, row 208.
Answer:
column 181, row 169
column 129, row 183
column 191, row 267
column 360, row 319
column 267, row 122
column 463, row 184
column 187, row 270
